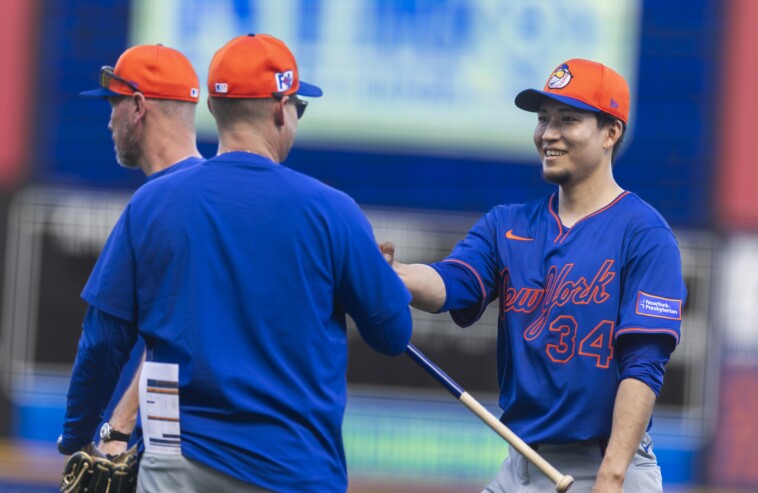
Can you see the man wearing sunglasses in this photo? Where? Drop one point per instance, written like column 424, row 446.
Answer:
column 153, row 92
column 241, row 272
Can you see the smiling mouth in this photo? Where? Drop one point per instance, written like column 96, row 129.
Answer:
column 554, row 153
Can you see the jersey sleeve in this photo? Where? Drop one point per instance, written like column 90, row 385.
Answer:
column 103, row 350
column 653, row 291
column 111, row 286
column 644, row 357
column 470, row 273
column 367, row 287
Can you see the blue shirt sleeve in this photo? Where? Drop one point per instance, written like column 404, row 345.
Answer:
column 644, row 357
column 470, row 273
column 111, row 286
column 367, row 287
column 653, row 291
column 103, row 350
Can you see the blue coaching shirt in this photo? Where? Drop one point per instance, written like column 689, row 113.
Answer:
column 565, row 297
column 135, row 359
column 241, row 271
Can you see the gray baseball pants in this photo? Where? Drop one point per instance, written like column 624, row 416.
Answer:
column 580, row 460
column 163, row 473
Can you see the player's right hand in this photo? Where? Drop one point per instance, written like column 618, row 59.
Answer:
column 112, row 448
column 388, row 251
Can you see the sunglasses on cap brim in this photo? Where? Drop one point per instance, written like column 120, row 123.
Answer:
column 107, row 74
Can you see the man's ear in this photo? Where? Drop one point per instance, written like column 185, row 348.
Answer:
column 615, row 130
column 280, row 112
column 210, row 106
column 139, row 106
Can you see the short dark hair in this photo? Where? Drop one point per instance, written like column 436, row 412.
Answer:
column 230, row 111
column 605, row 120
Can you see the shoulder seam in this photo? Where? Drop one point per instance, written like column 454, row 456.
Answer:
column 649, row 228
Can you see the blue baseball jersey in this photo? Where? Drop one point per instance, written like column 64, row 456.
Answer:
column 242, row 271
column 565, row 297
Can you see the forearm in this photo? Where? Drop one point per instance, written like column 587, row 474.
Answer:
column 124, row 416
column 425, row 285
column 631, row 415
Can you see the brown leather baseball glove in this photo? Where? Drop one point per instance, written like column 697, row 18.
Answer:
column 89, row 471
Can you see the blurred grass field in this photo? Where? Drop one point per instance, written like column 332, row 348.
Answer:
column 419, row 442
column 34, row 467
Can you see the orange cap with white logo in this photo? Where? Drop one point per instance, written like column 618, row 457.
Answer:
column 156, row 71
column 256, row 66
column 582, row 84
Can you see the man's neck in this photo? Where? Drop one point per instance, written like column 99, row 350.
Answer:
column 248, row 140
column 167, row 158
column 167, row 146
column 579, row 201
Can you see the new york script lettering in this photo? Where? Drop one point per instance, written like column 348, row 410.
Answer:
column 559, row 290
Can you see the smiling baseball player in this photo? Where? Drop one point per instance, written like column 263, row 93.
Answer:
column 590, row 295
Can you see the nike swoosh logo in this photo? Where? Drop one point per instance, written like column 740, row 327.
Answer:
column 511, row 236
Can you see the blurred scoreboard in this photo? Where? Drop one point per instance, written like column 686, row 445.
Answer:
column 429, row 76
column 421, row 89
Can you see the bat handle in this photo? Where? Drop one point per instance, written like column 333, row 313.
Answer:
column 562, row 482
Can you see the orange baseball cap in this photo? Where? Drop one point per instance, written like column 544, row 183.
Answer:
column 256, row 66
column 156, row 71
column 585, row 85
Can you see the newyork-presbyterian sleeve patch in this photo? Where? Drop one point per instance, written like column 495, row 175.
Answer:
column 656, row 306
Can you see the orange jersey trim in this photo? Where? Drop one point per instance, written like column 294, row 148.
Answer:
column 562, row 236
column 478, row 278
